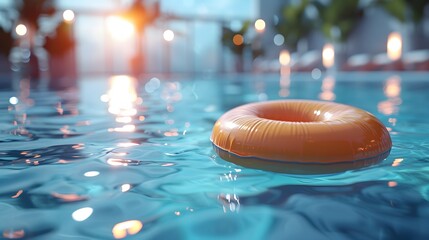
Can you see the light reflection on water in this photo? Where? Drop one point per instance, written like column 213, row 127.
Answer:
column 82, row 214
column 392, row 90
column 328, row 85
column 122, row 98
column 137, row 153
column 123, row 229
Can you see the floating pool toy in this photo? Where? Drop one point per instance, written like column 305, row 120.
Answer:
column 299, row 136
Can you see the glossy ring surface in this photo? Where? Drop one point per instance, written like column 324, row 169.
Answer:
column 300, row 136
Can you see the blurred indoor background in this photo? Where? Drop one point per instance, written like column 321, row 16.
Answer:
column 68, row 39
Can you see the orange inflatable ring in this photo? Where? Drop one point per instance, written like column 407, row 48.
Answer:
column 296, row 136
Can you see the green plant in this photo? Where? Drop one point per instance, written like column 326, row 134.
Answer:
column 417, row 8
column 339, row 18
column 404, row 10
column 294, row 24
column 228, row 36
column 396, row 8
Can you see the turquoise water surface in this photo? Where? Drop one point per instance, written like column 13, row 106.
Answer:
column 115, row 158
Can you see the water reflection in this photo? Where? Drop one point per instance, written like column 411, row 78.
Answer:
column 327, row 88
column 125, row 187
column 392, row 184
column 123, row 102
column 392, row 90
column 82, row 214
column 91, row 173
column 61, row 154
column 284, row 60
column 123, row 229
column 24, row 92
column 125, row 128
column 19, row 106
column 284, row 86
column 230, row 202
column 122, row 97
column 14, row 234
column 20, row 191
column 23, row 105
column 397, row 162
column 69, row 197
column 123, row 162
column 172, row 92
column 127, row 144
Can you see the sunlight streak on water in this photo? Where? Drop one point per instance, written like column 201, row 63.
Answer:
column 82, row 214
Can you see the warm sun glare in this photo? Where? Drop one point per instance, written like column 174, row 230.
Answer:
column 119, row 28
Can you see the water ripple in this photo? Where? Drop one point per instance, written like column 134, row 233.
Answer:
column 64, row 155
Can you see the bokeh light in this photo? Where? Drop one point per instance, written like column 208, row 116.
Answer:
column 260, row 25
column 152, row 85
column 394, row 46
column 13, row 100
column 168, row 35
column 21, row 30
column 238, row 39
column 284, row 58
column 316, row 73
column 279, row 39
column 328, row 55
column 68, row 15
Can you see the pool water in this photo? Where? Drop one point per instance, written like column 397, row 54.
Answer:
column 115, row 158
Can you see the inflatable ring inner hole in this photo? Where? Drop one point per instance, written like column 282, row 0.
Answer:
column 286, row 113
